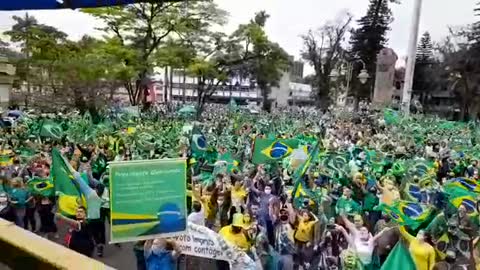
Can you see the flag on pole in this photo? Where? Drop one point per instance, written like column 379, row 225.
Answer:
column 70, row 196
column 399, row 258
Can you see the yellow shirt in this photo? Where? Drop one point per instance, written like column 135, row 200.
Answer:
column 207, row 205
column 423, row 254
column 239, row 240
column 304, row 231
column 238, row 196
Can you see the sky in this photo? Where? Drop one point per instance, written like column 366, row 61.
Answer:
column 291, row 18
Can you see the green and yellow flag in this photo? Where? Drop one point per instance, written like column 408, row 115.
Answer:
column 399, row 258
column 70, row 196
column 270, row 150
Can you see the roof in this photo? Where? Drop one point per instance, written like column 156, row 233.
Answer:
column 60, row 4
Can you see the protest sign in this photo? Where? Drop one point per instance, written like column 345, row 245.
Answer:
column 148, row 199
column 200, row 241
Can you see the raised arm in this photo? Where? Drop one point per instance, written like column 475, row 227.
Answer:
column 345, row 234
column 72, row 223
column 406, row 234
column 147, row 248
column 350, row 226
column 378, row 235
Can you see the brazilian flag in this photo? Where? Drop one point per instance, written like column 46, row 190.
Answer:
column 70, row 196
column 198, row 144
column 231, row 163
column 465, row 184
column 41, row 186
column 300, row 189
column 458, row 196
column 271, row 150
column 51, row 130
column 407, row 213
column 399, row 258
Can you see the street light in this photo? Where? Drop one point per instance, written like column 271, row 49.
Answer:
column 334, row 75
column 362, row 77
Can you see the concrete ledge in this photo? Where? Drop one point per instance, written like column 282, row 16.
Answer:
column 21, row 249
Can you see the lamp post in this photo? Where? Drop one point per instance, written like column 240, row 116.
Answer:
column 412, row 54
column 363, row 76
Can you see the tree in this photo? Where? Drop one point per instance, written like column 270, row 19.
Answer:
column 323, row 50
column 89, row 71
column 264, row 61
column 460, row 67
column 424, row 67
column 37, row 43
column 143, row 28
column 425, row 49
column 367, row 41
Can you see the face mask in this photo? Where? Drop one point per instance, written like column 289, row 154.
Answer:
column 157, row 249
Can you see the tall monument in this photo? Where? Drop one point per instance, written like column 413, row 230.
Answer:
column 385, row 76
column 7, row 73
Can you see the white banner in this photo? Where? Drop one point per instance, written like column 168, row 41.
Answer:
column 202, row 242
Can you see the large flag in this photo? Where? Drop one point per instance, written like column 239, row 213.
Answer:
column 406, row 213
column 399, row 258
column 300, row 189
column 459, row 195
column 51, row 130
column 271, row 150
column 199, row 145
column 41, row 186
column 70, row 196
column 229, row 162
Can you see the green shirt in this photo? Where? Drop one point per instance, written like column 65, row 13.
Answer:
column 348, row 206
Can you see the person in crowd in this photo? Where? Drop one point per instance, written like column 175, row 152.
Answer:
column 81, row 239
column 20, row 197
column 305, row 237
column 421, row 249
column 235, row 233
column 161, row 254
column 197, row 216
column 7, row 211
column 48, row 228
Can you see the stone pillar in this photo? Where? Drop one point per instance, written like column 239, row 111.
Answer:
column 7, row 73
column 385, row 75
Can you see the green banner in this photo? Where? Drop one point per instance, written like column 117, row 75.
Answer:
column 148, row 199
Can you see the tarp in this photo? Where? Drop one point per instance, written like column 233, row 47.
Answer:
column 59, row 4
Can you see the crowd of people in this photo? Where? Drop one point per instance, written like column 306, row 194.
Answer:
column 366, row 187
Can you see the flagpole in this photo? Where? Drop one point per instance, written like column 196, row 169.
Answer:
column 412, row 54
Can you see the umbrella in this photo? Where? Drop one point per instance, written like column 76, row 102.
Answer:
column 188, row 110
column 59, row 4
column 15, row 114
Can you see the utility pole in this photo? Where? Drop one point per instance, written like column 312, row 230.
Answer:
column 412, row 54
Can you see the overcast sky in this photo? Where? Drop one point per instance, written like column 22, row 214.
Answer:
column 290, row 18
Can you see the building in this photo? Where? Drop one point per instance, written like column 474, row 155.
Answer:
column 289, row 93
column 7, row 73
column 296, row 71
column 185, row 88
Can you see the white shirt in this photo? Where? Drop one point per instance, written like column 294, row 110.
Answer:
column 197, row 218
column 364, row 250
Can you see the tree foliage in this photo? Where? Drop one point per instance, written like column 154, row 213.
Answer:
column 323, row 50
column 145, row 28
column 264, row 61
column 367, row 41
column 425, row 66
